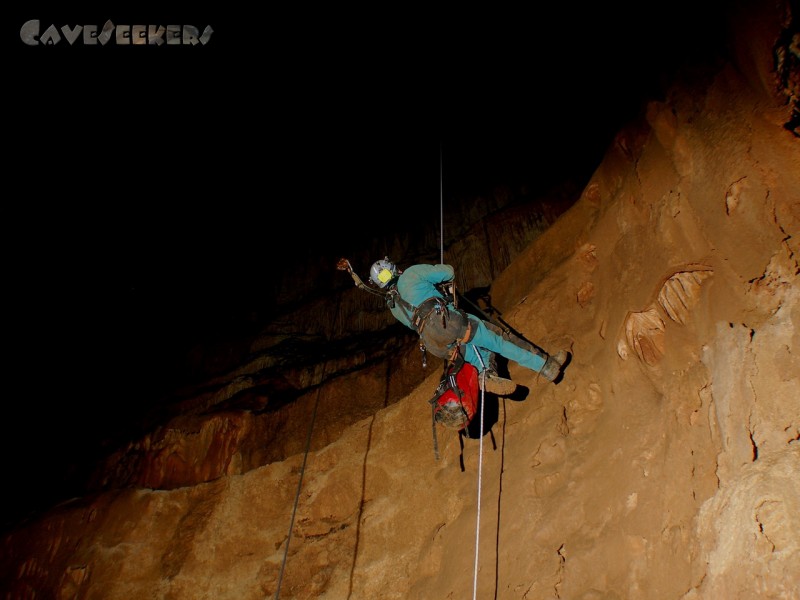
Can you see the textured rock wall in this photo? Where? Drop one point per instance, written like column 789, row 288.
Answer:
column 665, row 465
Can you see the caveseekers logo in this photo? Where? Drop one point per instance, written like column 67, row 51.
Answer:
column 121, row 35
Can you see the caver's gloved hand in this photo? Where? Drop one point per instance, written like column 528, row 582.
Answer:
column 448, row 290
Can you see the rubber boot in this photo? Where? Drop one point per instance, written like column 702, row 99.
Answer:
column 498, row 385
column 494, row 383
column 554, row 365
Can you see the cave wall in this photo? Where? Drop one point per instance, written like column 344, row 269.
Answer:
column 666, row 464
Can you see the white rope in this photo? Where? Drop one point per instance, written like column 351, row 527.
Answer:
column 480, row 478
column 483, row 377
column 441, row 210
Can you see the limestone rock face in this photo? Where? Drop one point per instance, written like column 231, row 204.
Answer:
column 666, row 463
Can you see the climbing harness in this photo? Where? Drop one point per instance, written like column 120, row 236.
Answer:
column 432, row 307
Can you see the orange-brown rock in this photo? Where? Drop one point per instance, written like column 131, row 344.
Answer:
column 666, row 464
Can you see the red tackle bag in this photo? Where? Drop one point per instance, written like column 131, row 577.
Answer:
column 455, row 401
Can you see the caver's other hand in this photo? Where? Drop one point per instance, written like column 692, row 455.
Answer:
column 344, row 265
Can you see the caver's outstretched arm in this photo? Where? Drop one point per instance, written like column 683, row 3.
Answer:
column 344, row 265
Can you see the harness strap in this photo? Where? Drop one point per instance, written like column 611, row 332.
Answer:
column 393, row 296
column 426, row 309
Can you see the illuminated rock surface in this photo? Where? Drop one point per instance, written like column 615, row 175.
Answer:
column 666, row 464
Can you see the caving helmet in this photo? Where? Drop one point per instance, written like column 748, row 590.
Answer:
column 382, row 272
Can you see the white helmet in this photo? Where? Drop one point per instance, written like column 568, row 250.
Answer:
column 382, row 272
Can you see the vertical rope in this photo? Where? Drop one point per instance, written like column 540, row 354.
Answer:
column 441, row 208
column 297, row 495
column 332, row 334
column 483, row 396
column 480, row 478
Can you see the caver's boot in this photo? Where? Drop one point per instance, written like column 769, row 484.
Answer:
column 494, row 383
column 498, row 385
column 554, row 365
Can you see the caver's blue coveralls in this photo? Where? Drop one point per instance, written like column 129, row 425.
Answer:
column 418, row 283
